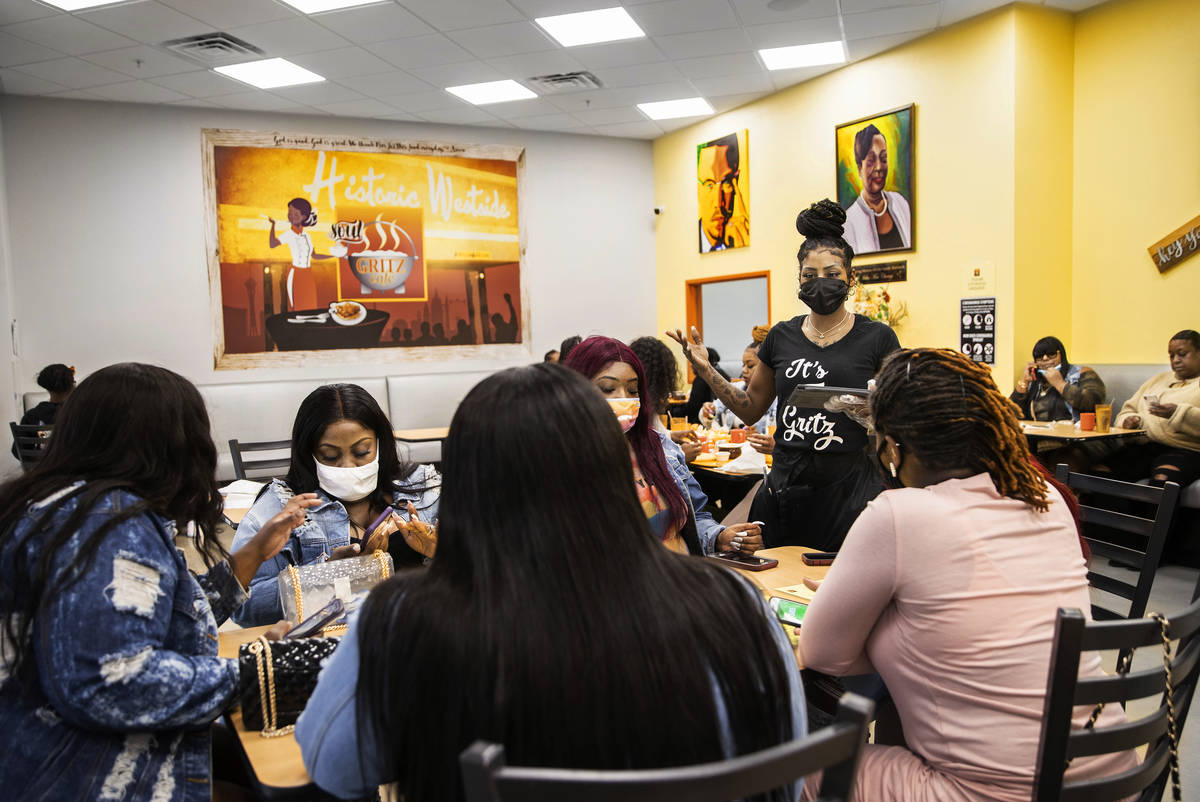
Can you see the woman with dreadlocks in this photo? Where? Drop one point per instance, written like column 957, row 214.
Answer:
column 947, row 585
column 821, row 477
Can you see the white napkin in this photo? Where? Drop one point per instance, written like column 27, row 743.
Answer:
column 240, row 494
column 749, row 461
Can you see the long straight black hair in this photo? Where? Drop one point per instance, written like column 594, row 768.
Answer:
column 133, row 427
column 552, row 621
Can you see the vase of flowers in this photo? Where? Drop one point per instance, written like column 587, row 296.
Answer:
column 876, row 303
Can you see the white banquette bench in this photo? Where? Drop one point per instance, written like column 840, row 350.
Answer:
column 263, row 411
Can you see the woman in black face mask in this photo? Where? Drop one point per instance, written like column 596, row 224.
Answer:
column 822, row 475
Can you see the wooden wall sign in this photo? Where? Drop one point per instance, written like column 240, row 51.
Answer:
column 1177, row 246
column 882, row 273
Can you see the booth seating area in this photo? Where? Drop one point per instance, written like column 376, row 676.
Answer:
column 264, row 410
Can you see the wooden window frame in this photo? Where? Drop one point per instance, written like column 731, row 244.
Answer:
column 694, row 311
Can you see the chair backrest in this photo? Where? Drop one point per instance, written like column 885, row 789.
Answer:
column 262, row 468
column 1150, row 535
column 1060, row 743
column 30, row 440
column 835, row 748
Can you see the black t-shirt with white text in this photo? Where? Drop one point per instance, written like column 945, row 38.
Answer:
column 849, row 362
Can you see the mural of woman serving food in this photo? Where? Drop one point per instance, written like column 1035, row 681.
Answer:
column 301, row 286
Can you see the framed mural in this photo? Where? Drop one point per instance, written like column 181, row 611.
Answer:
column 328, row 249
column 723, row 190
column 875, row 181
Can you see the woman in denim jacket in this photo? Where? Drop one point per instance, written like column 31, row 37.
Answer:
column 109, row 674
column 343, row 451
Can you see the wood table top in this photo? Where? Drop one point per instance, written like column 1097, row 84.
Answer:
column 1062, row 430
column 422, row 435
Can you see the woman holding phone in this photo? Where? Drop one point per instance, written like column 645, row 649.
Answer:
column 532, row 628
column 343, row 450
column 1051, row 388
column 821, row 476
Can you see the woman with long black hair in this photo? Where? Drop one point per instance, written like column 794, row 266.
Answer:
column 552, row 621
column 343, row 450
column 109, row 674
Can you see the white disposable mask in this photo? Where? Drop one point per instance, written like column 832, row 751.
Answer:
column 626, row 410
column 349, row 484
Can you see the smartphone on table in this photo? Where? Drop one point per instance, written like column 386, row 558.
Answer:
column 318, row 621
column 818, row 557
column 747, row 562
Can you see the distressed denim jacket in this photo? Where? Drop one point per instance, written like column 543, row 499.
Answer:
column 325, row 528
column 706, row 526
column 123, row 678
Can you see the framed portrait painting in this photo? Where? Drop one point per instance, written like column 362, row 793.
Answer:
column 876, row 181
column 723, row 192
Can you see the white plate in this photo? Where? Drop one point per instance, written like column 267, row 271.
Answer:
column 359, row 318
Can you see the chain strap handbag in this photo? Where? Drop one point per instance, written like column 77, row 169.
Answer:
column 311, row 587
column 278, row 678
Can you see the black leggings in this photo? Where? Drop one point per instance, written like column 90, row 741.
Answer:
column 1162, row 463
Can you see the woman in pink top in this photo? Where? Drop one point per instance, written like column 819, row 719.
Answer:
column 948, row 584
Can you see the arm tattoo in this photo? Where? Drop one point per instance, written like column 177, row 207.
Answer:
column 734, row 398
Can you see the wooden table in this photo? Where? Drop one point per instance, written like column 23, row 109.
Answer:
column 430, row 435
column 1046, row 430
column 274, row 764
column 790, row 571
column 234, row 515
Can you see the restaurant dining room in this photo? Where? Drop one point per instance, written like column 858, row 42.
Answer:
column 402, row 405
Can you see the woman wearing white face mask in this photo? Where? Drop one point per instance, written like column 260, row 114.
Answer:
column 343, row 450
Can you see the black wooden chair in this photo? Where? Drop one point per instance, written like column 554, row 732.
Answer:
column 1159, row 731
column 29, row 441
column 835, row 748
column 1150, row 535
column 260, row 468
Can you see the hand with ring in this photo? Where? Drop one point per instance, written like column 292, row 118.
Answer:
column 746, row 538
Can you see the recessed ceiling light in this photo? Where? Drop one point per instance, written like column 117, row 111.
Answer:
column 77, row 5
column 591, row 27
column 491, row 92
column 269, row 73
column 317, row 6
column 815, row 55
column 667, row 109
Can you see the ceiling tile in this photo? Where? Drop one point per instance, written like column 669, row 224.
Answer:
column 195, row 101
column 684, row 16
column 226, row 14
column 783, row 78
column 142, row 61
column 795, row 32
column 15, row 51
column 393, row 82
column 366, row 107
column 419, row 51
column 550, row 8
column 724, row 103
column 521, row 108
column 712, row 66
column 865, row 48
column 733, row 84
column 892, row 20
column 467, row 72
column 465, row 115
column 138, row 92
column 704, row 43
column 671, row 90
column 76, row 94
column 460, row 14
column 528, row 65
column 73, row 73
column 617, row 77
column 549, row 122
column 1074, row 5
column 639, row 130
column 399, row 116
column 256, row 100
column 756, row 12
column 510, row 39
column 146, row 21
column 290, row 36
column 318, row 94
column 22, row 11
column 423, row 101
column 618, row 54
column 20, row 83
column 618, row 114
column 344, row 62
column 960, row 10
column 69, row 35
column 859, row 6
column 373, row 23
column 202, row 83
column 595, row 99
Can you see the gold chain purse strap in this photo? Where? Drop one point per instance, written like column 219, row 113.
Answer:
column 336, row 629
column 266, row 689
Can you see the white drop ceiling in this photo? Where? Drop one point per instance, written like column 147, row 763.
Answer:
column 393, row 60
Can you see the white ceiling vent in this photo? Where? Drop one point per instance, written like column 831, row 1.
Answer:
column 565, row 82
column 213, row 49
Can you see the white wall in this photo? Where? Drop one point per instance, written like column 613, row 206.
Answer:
column 105, row 214
column 8, row 366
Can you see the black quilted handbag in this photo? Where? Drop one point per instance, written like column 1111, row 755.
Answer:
column 278, row 676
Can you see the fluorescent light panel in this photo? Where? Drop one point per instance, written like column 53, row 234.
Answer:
column 79, row 5
column 317, row 6
column 815, row 55
column 591, row 27
column 269, row 73
column 491, row 92
column 668, row 109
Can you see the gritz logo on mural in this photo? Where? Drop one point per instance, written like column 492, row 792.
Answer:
column 380, row 254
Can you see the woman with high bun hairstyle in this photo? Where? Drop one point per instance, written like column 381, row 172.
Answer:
column 821, row 476
column 947, row 585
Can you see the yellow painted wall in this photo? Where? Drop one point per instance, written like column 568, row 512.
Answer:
column 962, row 81
column 1137, row 176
